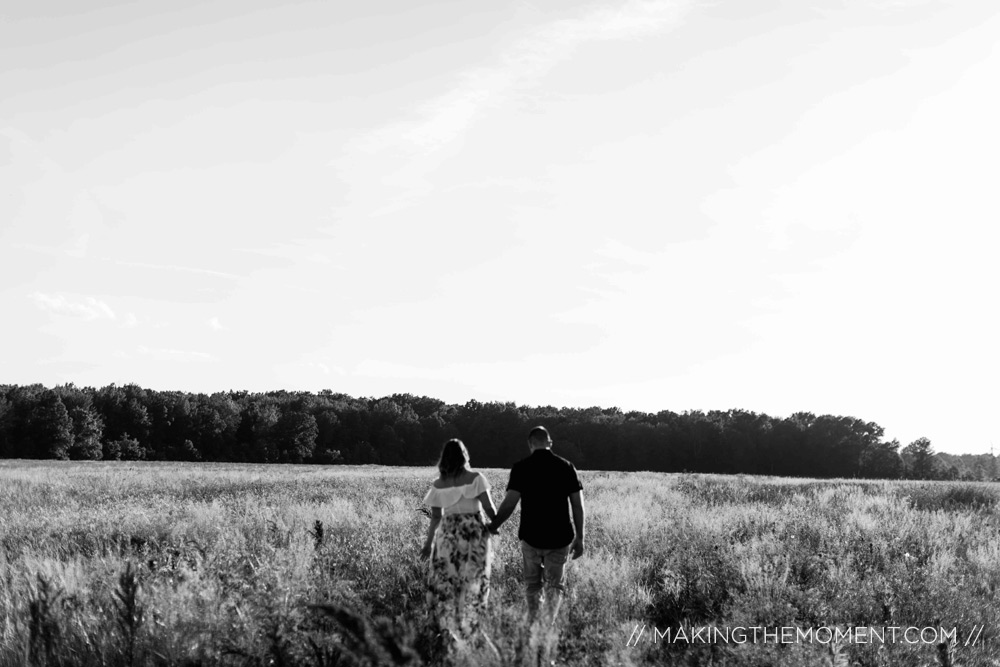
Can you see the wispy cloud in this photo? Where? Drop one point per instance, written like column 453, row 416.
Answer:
column 215, row 324
column 166, row 354
column 444, row 119
column 324, row 368
column 76, row 248
column 308, row 372
column 299, row 251
column 184, row 269
column 87, row 308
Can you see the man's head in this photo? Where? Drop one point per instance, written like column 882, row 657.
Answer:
column 539, row 438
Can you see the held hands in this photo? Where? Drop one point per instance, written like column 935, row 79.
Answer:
column 577, row 548
column 425, row 553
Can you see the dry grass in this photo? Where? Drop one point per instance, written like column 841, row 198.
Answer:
column 216, row 564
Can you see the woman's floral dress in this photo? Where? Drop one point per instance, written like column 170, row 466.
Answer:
column 461, row 557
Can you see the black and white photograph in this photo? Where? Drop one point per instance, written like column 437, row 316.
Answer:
column 518, row 333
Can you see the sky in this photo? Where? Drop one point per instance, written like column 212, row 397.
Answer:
column 767, row 205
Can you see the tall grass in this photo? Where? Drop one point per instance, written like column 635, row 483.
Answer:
column 212, row 564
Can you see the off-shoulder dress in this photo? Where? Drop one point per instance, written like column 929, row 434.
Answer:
column 461, row 556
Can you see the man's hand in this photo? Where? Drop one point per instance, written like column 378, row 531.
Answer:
column 505, row 510
column 425, row 553
column 577, row 548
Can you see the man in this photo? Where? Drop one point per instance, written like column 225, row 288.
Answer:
column 547, row 487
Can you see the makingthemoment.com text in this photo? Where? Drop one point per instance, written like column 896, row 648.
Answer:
column 795, row 635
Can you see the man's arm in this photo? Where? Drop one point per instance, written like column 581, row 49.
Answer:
column 579, row 521
column 505, row 510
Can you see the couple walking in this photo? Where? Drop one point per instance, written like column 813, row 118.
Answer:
column 458, row 539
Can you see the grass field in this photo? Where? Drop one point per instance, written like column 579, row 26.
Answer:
column 226, row 564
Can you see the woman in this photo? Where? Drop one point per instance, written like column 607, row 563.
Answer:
column 458, row 543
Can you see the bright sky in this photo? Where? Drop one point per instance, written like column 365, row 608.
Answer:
column 773, row 205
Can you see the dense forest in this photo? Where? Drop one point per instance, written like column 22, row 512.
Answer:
column 132, row 423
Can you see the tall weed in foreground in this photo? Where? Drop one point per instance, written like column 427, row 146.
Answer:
column 130, row 613
column 44, row 630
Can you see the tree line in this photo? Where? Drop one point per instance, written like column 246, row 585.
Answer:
column 132, row 423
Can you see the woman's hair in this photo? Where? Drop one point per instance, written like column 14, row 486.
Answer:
column 454, row 458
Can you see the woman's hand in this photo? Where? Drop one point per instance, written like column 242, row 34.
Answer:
column 425, row 553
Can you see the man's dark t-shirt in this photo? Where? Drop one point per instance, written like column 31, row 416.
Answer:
column 545, row 482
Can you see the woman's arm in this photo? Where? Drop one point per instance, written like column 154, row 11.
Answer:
column 435, row 520
column 487, row 502
column 506, row 509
